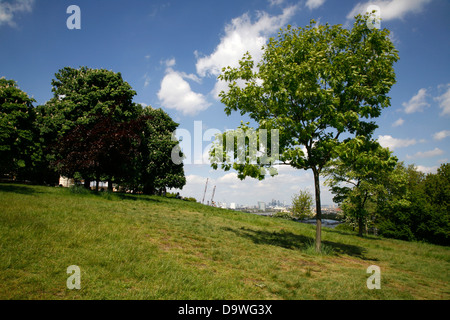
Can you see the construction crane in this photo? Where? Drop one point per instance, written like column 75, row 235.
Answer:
column 212, row 198
column 206, row 186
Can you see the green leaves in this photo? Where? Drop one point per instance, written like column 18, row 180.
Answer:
column 155, row 169
column 313, row 81
column 356, row 176
column 82, row 94
column 17, row 131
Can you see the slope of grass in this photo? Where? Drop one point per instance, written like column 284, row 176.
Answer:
column 148, row 247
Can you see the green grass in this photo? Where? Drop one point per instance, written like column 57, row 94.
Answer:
column 148, row 247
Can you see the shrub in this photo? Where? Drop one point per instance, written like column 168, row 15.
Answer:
column 78, row 189
column 301, row 205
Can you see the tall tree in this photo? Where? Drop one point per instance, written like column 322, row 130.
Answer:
column 314, row 85
column 82, row 97
column 156, row 170
column 18, row 145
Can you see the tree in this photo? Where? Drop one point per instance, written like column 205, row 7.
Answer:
column 81, row 98
column 437, row 191
column 18, row 145
column 415, row 206
column 301, row 205
column 104, row 149
column 313, row 85
column 355, row 177
column 156, row 170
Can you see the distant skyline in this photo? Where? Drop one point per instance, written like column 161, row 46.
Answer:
column 171, row 53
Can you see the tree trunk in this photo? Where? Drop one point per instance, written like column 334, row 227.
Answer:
column 87, row 183
column 110, row 185
column 361, row 225
column 97, row 179
column 318, row 210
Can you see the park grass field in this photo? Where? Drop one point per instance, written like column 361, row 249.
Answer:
column 149, row 247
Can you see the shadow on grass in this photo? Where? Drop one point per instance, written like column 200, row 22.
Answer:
column 20, row 189
column 293, row 241
column 124, row 196
column 353, row 233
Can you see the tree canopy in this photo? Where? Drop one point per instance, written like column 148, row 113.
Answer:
column 356, row 176
column 157, row 170
column 18, row 135
column 92, row 129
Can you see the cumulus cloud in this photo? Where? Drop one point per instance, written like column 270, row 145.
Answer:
column 176, row 93
column 444, row 100
column 276, row 2
column 426, row 154
column 314, row 4
column 241, row 35
column 388, row 141
column 426, row 170
column 398, row 123
column 9, row 9
column 441, row 135
column 390, row 9
column 417, row 103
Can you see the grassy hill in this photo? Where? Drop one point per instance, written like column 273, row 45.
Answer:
column 148, row 247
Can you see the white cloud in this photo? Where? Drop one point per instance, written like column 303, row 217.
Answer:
column 441, row 135
column 426, row 170
column 417, row 103
column 169, row 62
column 388, row 141
column 241, row 35
column 390, row 9
column 146, row 78
column 176, row 93
column 398, row 123
column 426, row 154
column 314, row 4
column 444, row 101
column 9, row 9
column 276, row 2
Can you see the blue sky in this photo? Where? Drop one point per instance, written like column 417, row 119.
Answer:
column 171, row 53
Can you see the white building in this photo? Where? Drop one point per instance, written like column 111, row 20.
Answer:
column 261, row 205
column 66, row 182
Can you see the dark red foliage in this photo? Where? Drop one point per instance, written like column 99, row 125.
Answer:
column 102, row 148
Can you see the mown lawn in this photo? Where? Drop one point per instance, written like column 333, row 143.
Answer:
column 148, row 247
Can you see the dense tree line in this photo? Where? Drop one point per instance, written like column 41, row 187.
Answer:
column 90, row 130
column 394, row 200
column 414, row 206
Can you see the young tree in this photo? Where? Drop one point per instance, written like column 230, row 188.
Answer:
column 301, row 205
column 315, row 85
column 355, row 177
column 18, row 136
